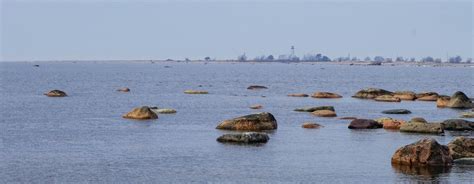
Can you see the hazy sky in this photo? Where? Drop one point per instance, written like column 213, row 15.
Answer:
column 87, row 30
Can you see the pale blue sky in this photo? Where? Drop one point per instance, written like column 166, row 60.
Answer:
column 103, row 30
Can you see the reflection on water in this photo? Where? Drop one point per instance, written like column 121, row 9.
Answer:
column 426, row 173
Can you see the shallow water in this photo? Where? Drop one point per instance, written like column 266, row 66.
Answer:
column 82, row 138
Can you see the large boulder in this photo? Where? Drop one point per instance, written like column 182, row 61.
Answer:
column 422, row 127
column 458, row 125
column 460, row 100
column 387, row 98
column 371, row 93
column 443, row 101
column 325, row 95
column 143, row 112
column 324, row 113
column 405, row 95
column 244, row 138
column 396, row 111
column 425, row 152
column 253, row 122
column 195, row 92
column 56, row 93
column 254, row 87
column 312, row 109
column 461, row 147
column 298, row 95
column 364, row 124
column 427, row 96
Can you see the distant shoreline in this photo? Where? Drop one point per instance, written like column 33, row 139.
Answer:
column 355, row 63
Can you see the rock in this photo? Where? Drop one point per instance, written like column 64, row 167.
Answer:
column 124, row 90
column 324, row 113
column 164, row 111
column 195, row 92
column 422, row 127
column 143, row 112
column 397, row 111
column 36, row 65
column 418, row 119
column 325, row 95
column 257, row 106
column 348, row 118
column 56, row 93
column 442, row 101
column 425, row 152
column 405, row 95
column 461, row 147
column 464, row 161
column 364, row 124
column 245, row 138
column 390, row 123
column 467, row 115
column 458, row 125
column 427, row 96
column 298, row 95
column 371, row 93
column 312, row 109
column 460, row 100
column 252, row 122
column 387, row 98
column 254, row 87
column 311, row 125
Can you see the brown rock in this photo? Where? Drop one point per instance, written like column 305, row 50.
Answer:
column 326, row 95
column 195, row 92
column 371, row 93
column 311, row 125
column 124, row 90
column 421, row 127
column 253, row 122
column 425, row 152
column 254, row 87
column 442, row 101
column 257, row 106
column 56, row 93
column 387, row 98
column 364, row 124
column 418, row 119
column 298, row 95
column 390, row 123
column 348, row 118
column 427, row 96
column 141, row 113
column 324, row 113
column 405, row 95
column 461, row 147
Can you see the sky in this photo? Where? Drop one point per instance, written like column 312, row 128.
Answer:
column 145, row 29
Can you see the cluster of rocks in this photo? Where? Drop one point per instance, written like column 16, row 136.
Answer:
column 428, row 152
column 252, row 125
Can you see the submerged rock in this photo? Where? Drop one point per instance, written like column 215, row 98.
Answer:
column 397, row 111
column 461, row 147
column 467, row 115
column 195, row 92
column 253, row 87
column 245, row 138
column 311, row 125
column 364, row 124
column 405, row 95
column 427, row 96
column 252, row 122
column 312, row 109
column 348, row 118
column 371, row 93
column 442, row 101
column 387, row 98
column 457, row 125
column 460, row 100
column 164, row 111
column 256, row 106
column 325, row 95
column 124, row 89
column 56, row 93
column 298, row 95
column 143, row 112
column 464, row 161
column 324, row 113
column 425, row 152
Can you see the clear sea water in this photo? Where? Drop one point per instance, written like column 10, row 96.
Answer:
column 82, row 138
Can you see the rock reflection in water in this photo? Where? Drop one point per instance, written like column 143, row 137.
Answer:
column 428, row 173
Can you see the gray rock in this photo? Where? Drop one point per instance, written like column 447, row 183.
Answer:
column 371, row 93
column 464, row 161
column 458, row 125
column 364, row 124
column 460, row 100
column 461, row 147
column 253, row 122
column 397, row 111
column 420, row 127
column 246, row 138
column 312, row 109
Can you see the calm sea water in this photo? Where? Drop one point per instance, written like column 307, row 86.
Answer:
column 83, row 139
